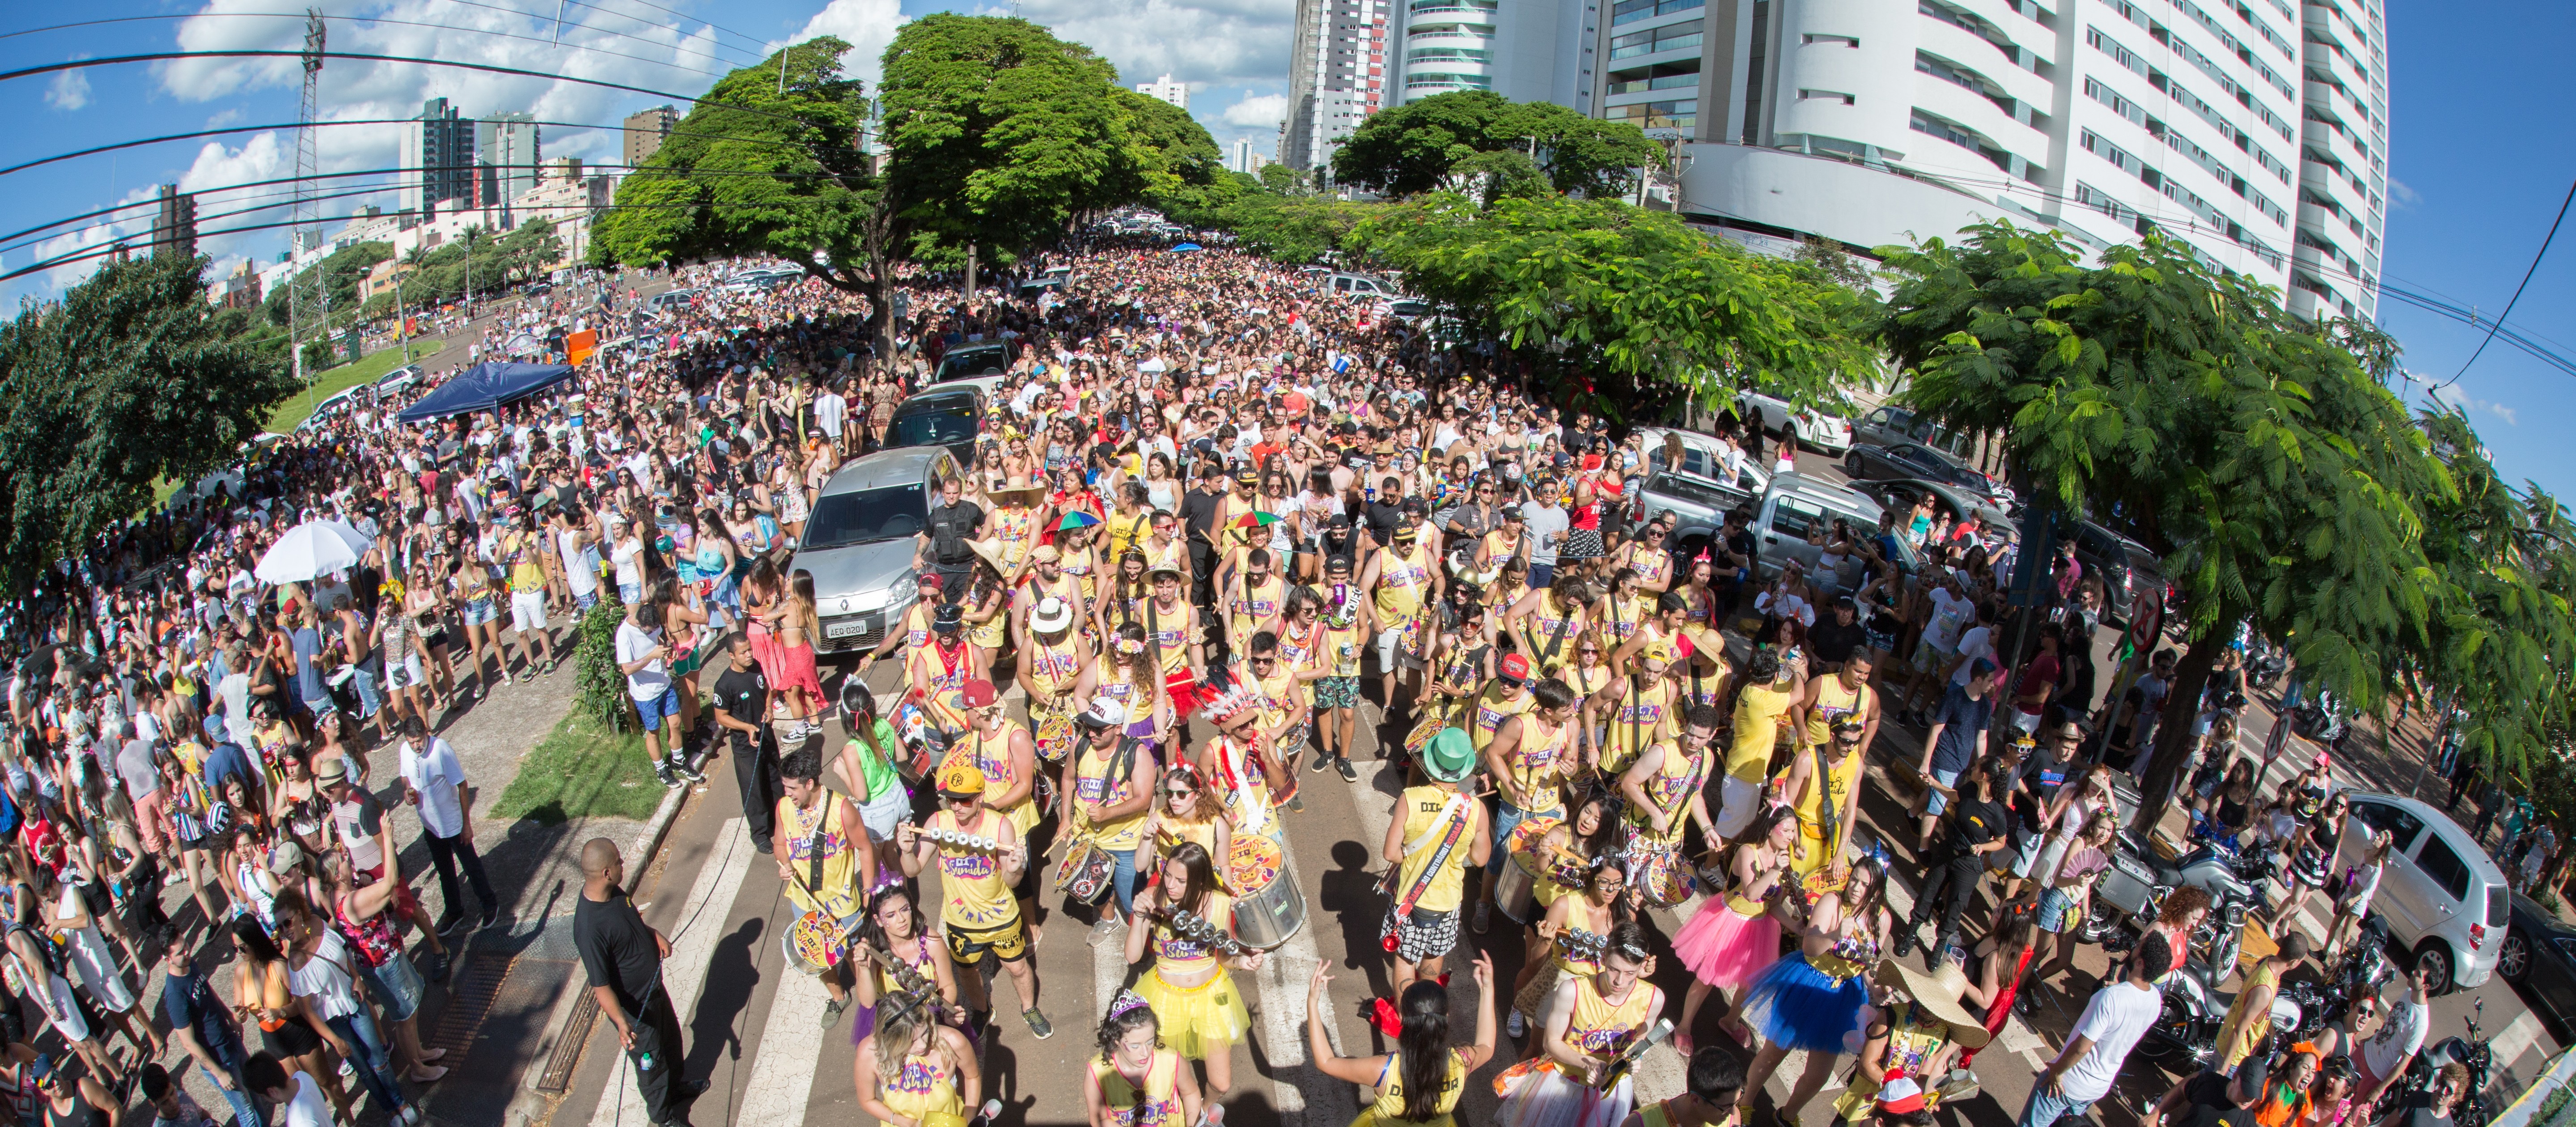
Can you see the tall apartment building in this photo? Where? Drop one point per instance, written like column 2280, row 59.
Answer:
column 1166, row 90
column 174, row 223
column 645, row 132
column 1246, row 159
column 508, row 149
column 1338, row 74
column 2254, row 130
column 437, row 158
column 1524, row 50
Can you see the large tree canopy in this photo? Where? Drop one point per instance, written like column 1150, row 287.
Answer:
column 1170, row 158
column 1418, row 146
column 127, row 381
column 752, row 170
column 2283, row 485
column 1636, row 296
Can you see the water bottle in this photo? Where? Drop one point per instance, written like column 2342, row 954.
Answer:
column 644, row 1062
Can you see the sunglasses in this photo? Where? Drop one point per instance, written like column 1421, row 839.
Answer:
column 1179, row 792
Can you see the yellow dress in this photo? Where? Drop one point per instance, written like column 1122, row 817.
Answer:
column 1811, row 851
column 923, row 1087
column 1388, row 1110
column 1196, row 1020
column 1156, row 1104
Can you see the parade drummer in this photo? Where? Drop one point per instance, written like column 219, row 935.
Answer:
column 1528, row 762
column 1434, row 834
column 1172, row 631
column 939, row 671
column 1405, row 581
column 1285, row 707
column 979, row 916
column 895, row 930
column 1195, row 1000
column 823, row 856
column 1506, row 696
column 1113, row 786
column 1251, row 602
column 1058, row 673
column 1633, row 716
column 1591, row 1021
column 1046, row 578
column 1244, row 773
column 1831, row 792
column 1663, row 788
column 1916, row 1035
column 1187, row 815
column 1003, row 751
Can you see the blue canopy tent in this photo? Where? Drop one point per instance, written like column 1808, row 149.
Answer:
column 484, row 387
column 1185, row 248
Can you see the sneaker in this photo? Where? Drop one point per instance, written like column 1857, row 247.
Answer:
column 1348, row 773
column 435, row 964
column 1516, row 1026
column 832, row 1011
column 1038, row 1024
column 491, row 915
column 1296, row 803
column 409, row 1116
column 1322, row 760
column 447, row 923
column 662, row 771
column 1484, row 915
column 681, row 768
column 1939, row 951
column 692, row 1089
column 1104, row 931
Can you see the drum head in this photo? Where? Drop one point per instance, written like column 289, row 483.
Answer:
column 1252, row 862
column 1527, row 835
column 813, row 943
column 1054, row 738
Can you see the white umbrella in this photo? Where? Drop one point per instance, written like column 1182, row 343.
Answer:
column 310, row 550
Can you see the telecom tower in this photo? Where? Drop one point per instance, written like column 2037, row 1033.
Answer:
column 306, row 232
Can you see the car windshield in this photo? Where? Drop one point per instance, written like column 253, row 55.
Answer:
column 866, row 516
column 932, row 428
column 974, row 362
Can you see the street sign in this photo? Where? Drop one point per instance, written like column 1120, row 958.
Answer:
column 2038, row 550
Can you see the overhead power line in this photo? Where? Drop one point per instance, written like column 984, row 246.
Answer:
column 2527, row 272
column 406, row 23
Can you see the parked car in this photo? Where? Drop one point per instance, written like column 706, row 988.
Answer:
column 2539, row 958
column 397, row 380
column 339, row 403
column 1361, row 285
column 982, row 358
column 1697, row 490
column 1821, row 432
column 671, row 300
column 1947, row 500
column 1797, row 503
column 1887, row 426
column 2444, row 900
column 859, row 542
column 1916, row 460
column 2128, row 569
column 947, row 417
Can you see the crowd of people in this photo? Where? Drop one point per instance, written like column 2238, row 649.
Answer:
column 1213, row 518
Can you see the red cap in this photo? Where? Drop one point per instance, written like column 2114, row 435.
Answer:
column 977, row 694
column 1516, row 667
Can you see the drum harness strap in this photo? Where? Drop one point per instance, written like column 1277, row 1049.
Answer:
column 1453, row 814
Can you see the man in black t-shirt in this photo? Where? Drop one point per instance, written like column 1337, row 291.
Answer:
column 742, row 712
column 2211, row 1099
column 1978, row 826
column 623, row 960
column 953, row 522
column 1832, row 640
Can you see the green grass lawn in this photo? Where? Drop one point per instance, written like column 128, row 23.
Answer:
column 369, row 368
column 583, row 770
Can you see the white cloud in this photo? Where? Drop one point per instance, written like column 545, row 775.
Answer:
column 1201, row 42
column 867, row 25
column 2467, row 404
column 226, row 118
column 2403, row 195
column 69, row 90
column 1257, row 111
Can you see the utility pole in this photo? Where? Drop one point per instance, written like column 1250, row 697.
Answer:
column 307, row 218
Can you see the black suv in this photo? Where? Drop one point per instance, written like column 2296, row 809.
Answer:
column 940, row 416
column 2128, row 569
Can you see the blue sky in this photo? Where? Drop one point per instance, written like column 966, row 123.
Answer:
column 2478, row 167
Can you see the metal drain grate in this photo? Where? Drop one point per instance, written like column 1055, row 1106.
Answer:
column 567, row 1051
column 469, row 1002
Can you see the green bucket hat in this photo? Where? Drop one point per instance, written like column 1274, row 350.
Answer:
column 1450, row 757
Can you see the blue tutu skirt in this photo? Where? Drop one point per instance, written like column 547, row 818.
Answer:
column 1796, row 1006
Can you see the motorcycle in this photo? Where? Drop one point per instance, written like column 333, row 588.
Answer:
column 2267, row 668
column 2125, row 905
column 2472, row 1052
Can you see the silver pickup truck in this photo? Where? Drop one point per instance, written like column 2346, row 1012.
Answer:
column 1782, row 509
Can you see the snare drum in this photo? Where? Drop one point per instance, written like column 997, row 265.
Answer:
column 921, row 737
column 1086, row 873
column 1422, row 733
column 813, row 942
column 1055, row 737
column 1268, row 905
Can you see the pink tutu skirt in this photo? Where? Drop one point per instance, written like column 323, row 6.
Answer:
column 1724, row 949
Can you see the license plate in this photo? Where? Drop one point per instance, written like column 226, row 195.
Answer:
column 845, row 629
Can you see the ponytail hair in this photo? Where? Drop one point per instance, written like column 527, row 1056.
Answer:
column 1424, row 1044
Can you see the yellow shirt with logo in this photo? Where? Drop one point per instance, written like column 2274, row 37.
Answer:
column 974, row 895
column 1092, row 784
column 1424, row 808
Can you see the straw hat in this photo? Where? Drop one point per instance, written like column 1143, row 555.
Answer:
column 1936, row 994
column 990, row 548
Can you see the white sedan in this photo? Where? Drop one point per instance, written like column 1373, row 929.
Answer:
column 1818, row 431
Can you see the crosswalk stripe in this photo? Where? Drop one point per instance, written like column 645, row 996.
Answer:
column 1304, row 1096
column 782, row 1075
column 684, row 974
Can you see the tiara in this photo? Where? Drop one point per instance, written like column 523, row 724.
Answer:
column 1126, row 1001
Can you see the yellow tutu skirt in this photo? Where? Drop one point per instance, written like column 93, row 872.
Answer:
column 1197, row 1019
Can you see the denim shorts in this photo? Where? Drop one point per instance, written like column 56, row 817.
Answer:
column 658, row 709
column 396, row 986
column 1940, row 801
column 480, row 611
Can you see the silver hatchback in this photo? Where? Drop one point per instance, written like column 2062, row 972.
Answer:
column 859, row 542
column 2444, row 899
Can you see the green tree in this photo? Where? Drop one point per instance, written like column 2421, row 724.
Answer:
column 1170, row 158
column 2282, row 485
column 1637, row 304
column 1497, row 175
column 530, row 249
column 129, row 380
column 999, row 132
column 1279, row 179
column 1418, row 146
column 1294, row 231
column 343, row 270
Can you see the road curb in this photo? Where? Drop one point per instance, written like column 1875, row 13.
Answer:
column 530, row 1106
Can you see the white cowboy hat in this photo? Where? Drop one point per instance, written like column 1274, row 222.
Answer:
column 1937, row 993
column 1051, row 615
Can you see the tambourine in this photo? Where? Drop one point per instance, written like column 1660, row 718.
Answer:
column 956, row 840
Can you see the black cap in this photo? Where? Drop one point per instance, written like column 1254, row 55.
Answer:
column 947, row 618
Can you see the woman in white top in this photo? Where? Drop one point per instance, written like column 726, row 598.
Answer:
column 627, row 552
column 318, row 970
column 90, row 957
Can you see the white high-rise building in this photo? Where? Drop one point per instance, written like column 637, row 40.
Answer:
column 1338, row 74
column 2253, row 129
column 1247, row 159
column 1166, row 90
column 1524, row 50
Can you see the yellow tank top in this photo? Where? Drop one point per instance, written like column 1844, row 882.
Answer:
column 1170, row 835
column 1492, row 708
column 1626, row 613
column 1539, row 764
column 2249, row 1028
column 1127, row 531
column 1167, row 554
column 1651, row 565
column 1341, row 651
column 916, row 626
column 1282, row 695
column 1545, row 625
column 1054, row 669
column 1585, row 680
column 915, row 953
column 993, row 755
column 1400, row 582
column 1562, row 956
column 1114, row 684
column 1670, row 788
column 1833, row 702
column 1078, row 563
column 1012, row 527
column 1811, row 851
column 1757, row 731
column 1500, row 546
column 819, row 833
column 1167, row 629
column 1602, row 1028
column 1092, row 784
column 1423, row 809
column 1252, row 604
column 1388, row 1111
column 976, row 896
column 991, row 632
column 1642, row 718
column 1156, row 1104
column 921, row 1087
column 1179, row 956
column 1065, row 587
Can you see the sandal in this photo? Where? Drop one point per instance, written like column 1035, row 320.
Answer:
column 1682, row 1044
